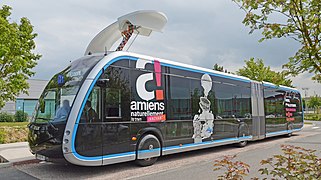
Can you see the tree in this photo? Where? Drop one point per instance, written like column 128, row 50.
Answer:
column 218, row 68
column 256, row 70
column 299, row 20
column 315, row 103
column 16, row 56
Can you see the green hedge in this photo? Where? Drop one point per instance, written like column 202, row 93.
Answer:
column 313, row 117
column 21, row 116
column 6, row 117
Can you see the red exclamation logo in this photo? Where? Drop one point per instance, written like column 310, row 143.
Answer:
column 158, row 71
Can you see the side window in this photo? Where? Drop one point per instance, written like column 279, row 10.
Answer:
column 113, row 102
column 298, row 102
column 183, row 73
column 232, row 100
column 116, row 94
column 196, row 92
column 224, row 100
column 245, row 102
column 274, row 103
column 91, row 112
column 179, row 98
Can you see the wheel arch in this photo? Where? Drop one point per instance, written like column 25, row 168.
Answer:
column 150, row 130
column 243, row 125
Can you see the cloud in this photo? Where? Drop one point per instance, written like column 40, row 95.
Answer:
column 201, row 33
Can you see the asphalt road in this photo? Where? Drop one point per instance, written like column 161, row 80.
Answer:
column 190, row 165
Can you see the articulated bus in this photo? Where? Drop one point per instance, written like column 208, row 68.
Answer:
column 113, row 107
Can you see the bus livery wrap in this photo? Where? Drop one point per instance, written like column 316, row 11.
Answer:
column 124, row 98
column 111, row 107
column 151, row 108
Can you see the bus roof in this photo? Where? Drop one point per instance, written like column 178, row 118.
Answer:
column 268, row 84
column 115, row 54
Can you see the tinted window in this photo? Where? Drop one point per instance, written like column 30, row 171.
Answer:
column 121, row 63
column 196, row 93
column 58, row 96
column 231, row 100
column 274, row 102
column 116, row 94
column 179, row 98
column 91, row 112
column 88, row 138
column 230, row 80
column 184, row 73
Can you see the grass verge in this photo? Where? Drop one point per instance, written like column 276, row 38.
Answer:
column 13, row 124
column 312, row 116
column 11, row 132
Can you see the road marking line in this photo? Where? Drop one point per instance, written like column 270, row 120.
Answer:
column 315, row 127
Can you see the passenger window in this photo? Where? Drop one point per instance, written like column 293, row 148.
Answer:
column 232, row 101
column 274, row 103
column 179, row 98
column 91, row 112
column 113, row 102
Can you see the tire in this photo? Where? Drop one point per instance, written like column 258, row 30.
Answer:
column 242, row 144
column 147, row 142
column 243, row 131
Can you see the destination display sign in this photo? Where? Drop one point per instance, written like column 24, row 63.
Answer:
column 290, row 109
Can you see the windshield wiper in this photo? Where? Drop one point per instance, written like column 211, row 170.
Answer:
column 44, row 118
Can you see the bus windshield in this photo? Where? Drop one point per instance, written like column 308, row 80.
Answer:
column 56, row 100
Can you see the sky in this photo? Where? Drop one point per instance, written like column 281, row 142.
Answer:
column 200, row 33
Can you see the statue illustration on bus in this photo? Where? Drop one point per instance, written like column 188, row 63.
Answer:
column 203, row 123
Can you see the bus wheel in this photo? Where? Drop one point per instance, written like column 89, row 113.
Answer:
column 290, row 128
column 148, row 150
column 243, row 131
column 242, row 144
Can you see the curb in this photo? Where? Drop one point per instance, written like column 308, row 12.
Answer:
column 4, row 162
column 30, row 161
column 10, row 164
column 5, row 165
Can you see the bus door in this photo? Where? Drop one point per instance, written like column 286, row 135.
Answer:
column 88, row 139
column 115, row 100
column 258, row 116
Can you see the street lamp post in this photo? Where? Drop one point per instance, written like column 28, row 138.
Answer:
column 305, row 89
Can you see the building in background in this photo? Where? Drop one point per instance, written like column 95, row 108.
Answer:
column 25, row 102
